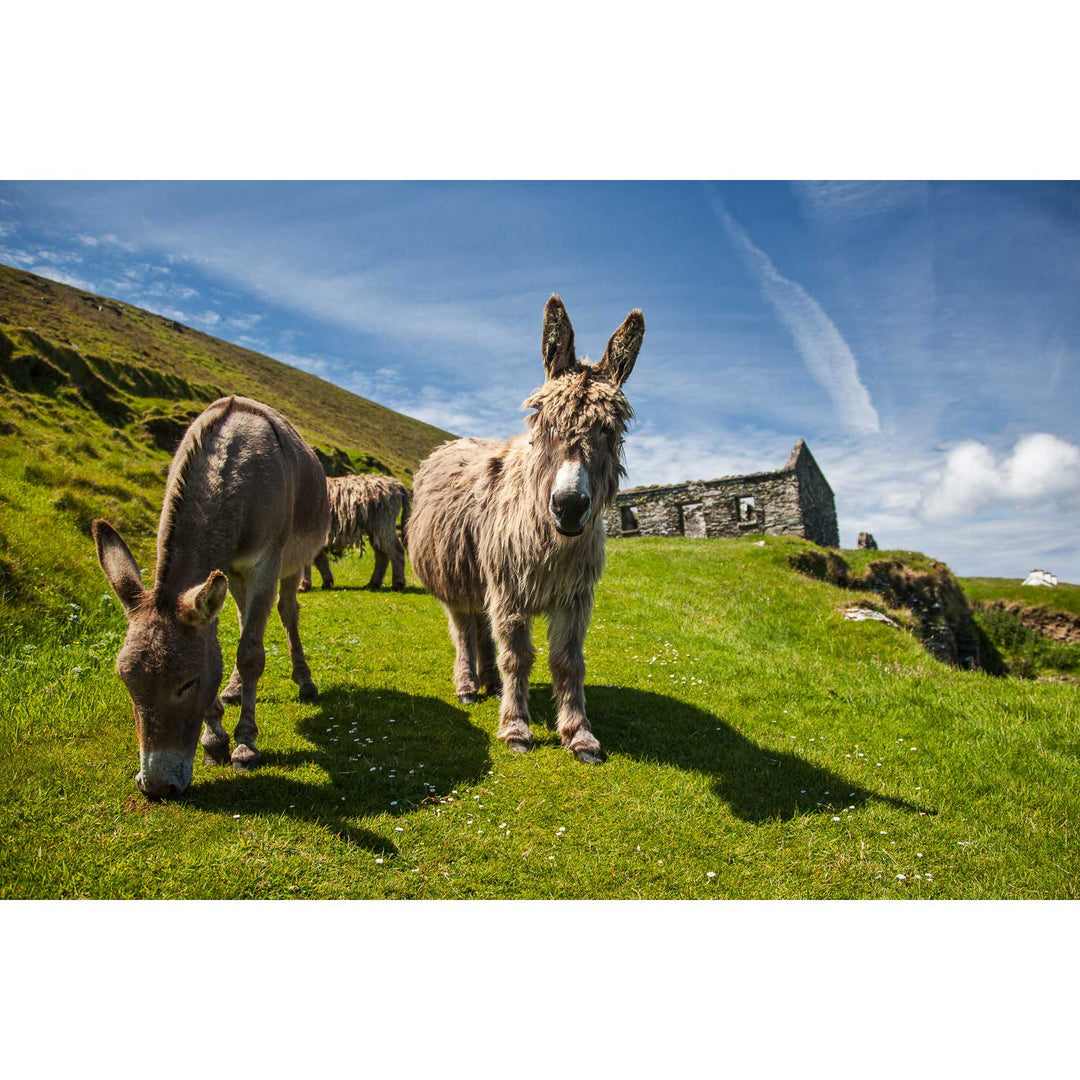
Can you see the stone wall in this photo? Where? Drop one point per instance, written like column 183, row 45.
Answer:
column 793, row 501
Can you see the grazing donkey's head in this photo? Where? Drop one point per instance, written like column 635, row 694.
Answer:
column 580, row 419
column 170, row 662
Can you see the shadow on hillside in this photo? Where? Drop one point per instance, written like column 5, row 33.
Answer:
column 417, row 743
column 758, row 784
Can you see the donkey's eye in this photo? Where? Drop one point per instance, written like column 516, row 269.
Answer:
column 186, row 687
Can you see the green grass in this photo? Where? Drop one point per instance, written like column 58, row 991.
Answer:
column 753, row 734
column 1064, row 597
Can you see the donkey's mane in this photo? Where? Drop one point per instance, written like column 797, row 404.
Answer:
column 576, row 403
column 188, row 453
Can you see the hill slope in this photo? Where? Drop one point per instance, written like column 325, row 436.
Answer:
column 94, row 395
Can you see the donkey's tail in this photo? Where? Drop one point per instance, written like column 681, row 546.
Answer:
column 406, row 508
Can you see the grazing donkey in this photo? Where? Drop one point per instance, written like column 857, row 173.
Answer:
column 359, row 506
column 502, row 531
column 245, row 496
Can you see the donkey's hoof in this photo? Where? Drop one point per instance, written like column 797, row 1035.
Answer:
column 231, row 695
column 587, row 750
column 590, row 756
column 518, row 738
column 304, row 586
column 328, row 585
column 244, row 757
column 400, row 587
column 471, row 698
column 308, row 691
column 372, row 587
column 494, row 688
column 216, row 753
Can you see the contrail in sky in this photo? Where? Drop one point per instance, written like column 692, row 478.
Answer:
column 821, row 345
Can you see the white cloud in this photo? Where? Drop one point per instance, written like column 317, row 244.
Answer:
column 244, row 322
column 848, row 203
column 56, row 274
column 653, row 457
column 1041, row 469
column 16, row 257
column 821, row 345
column 165, row 311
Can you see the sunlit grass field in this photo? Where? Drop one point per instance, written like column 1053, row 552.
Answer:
column 759, row 746
column 1063, row 597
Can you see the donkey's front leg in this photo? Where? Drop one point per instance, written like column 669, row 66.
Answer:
column 231, row 694
column 513, row 630
column 251, row 660
column 289, row 613
column 462, row 634
column 215, row 739
column 566, row 637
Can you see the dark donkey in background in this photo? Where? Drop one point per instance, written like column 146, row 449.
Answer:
column 245, row 495
column 502, row 531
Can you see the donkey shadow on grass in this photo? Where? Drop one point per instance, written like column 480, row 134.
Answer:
column 420, row 749
column 758, row 784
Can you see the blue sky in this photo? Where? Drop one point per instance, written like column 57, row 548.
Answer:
column 923, row 338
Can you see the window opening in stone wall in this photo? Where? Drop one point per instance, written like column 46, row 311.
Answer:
column 692, row 519
column 747, row 509
column 629, row 519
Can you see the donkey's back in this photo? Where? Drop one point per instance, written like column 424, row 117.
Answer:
column 256, row 486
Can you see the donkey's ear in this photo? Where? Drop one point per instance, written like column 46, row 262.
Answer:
column 623, row 348
column 119, row 565
column 202, row 603
column 558, row 340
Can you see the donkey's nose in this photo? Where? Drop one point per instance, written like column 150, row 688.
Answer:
column 158, row 787
column 570, row 510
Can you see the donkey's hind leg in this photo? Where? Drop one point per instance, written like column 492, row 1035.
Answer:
column 486, row 662
column 231, row 694
column 397, row 559
column 322, row 564
column 382, row 560
column 289, row 613
column 463, row 635
column 516, row 656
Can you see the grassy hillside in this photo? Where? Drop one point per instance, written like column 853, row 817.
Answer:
column 1064, row 597
column 760, row 746
column 1035, row 628
column 94, row 395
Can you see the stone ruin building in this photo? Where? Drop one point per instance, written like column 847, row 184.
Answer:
column 795, row 500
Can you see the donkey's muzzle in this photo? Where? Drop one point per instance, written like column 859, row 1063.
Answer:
column 164, row 774
column 570, row 510
column 158, row 788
